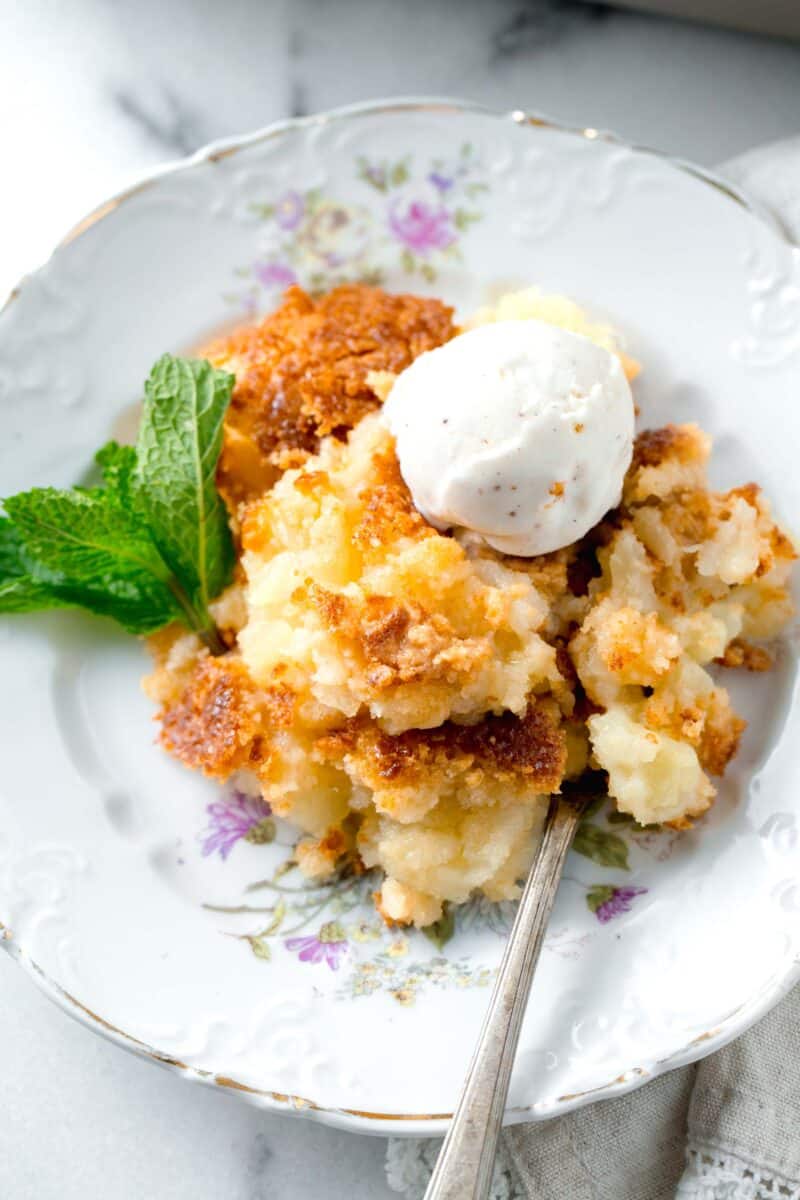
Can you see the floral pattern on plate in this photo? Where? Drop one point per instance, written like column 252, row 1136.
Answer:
column 334, row 925
column 234, row 816
column 424, row 209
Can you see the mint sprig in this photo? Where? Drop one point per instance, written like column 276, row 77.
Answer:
column 180, row 439
column 153, row 544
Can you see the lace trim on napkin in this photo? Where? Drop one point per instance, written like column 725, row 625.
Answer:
column 410, row 1161
column 712, row 1175
column 709, row 1174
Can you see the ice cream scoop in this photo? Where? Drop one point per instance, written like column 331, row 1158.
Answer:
column 520, row 431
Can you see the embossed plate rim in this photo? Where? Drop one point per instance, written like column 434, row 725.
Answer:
column 223, row 147
column 376, row 1122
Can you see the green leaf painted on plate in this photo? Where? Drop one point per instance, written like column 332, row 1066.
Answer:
column 332, row 931
column 260, row 948
column 594, row 805
column 598, row 895
column 262, row 833
column 462, row 218
column 441, row 931
column 277, row 920
column 606, row 849
column 615, row 817
column 399, row 174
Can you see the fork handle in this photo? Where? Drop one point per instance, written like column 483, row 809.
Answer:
column 464, row 1167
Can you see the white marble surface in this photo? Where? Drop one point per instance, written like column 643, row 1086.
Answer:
column 93, row 92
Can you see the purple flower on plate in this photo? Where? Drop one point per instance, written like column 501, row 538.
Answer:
column 328, row 946
column 232, row 818
column 441, row 182
column 421, row 227
column 289, row 210
column 608, row 902
column 274, row 274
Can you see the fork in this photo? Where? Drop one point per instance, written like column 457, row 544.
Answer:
column 464, row 1168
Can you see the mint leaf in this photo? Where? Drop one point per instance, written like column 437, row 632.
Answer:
column 23, row 588
column 78, row 532
column 180, row 439
column 607, row 849
column 151, row 546
column 27, row 585
column 118, row 465
column 94, row 554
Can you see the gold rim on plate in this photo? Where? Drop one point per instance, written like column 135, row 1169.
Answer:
column 430, row 1123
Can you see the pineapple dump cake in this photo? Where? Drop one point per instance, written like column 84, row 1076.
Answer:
column 406, row 694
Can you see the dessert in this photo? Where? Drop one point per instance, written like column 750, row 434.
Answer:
column 408, row 694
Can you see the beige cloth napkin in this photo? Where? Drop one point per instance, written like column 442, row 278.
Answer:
column 727, row 1128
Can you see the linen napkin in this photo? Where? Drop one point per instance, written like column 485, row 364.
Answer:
column 727, row 1128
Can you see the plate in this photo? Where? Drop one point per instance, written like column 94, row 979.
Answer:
column 143, row 899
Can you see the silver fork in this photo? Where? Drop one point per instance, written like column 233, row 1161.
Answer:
column 464, row 1167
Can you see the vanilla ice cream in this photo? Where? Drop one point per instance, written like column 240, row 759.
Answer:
column 519, row 430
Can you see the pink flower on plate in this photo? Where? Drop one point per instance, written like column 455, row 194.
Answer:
column 234, row 817
column 289, row 210
column 608, row 902
column 274, row 274
column 328, row 946
column 422, row 227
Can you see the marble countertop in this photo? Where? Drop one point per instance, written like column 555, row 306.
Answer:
column 92, row 93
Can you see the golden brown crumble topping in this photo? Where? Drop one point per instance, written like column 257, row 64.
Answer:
column 409, row 699
column 220, row 721
column 388, row 510
column 532, row 747
column 654, row 446
column 301, row 373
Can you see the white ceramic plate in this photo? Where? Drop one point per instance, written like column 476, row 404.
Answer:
column 111, row 854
